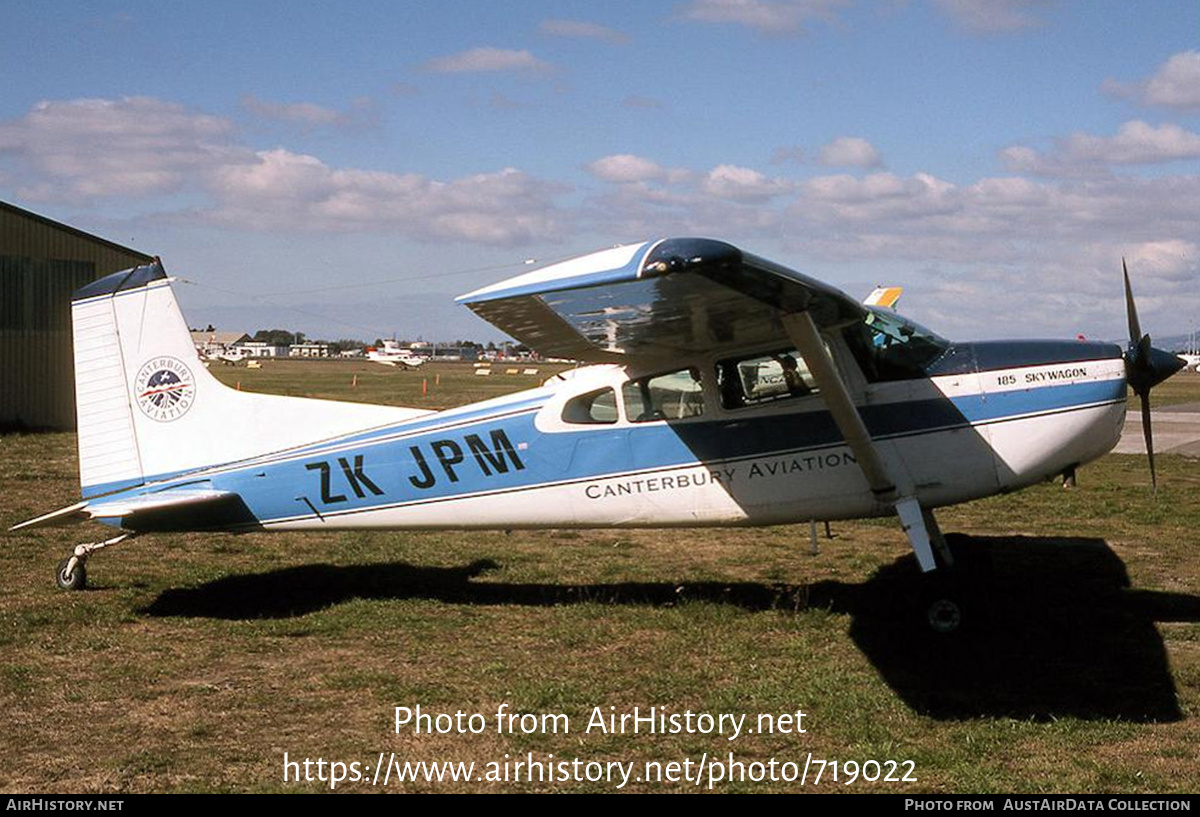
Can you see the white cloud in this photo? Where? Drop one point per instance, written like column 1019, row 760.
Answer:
column 741, row 184
column 1176, row 84
column 992, row 16
column 285, row 190
column 583, row 30
column 1055, row 245
column 1170, row 260
column 306, row 113
column 849, row 151
column 143, row 149
column 765, row 16
column 136, row 146
column 309, row 115
column 1135, row 143
column 488, row 60
column 1055, row 242
column 624, row 168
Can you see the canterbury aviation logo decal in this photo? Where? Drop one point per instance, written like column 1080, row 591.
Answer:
column 165, row 389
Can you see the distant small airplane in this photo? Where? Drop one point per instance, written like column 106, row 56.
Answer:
column 232, row 355
column 392, row 354
column 727, row 390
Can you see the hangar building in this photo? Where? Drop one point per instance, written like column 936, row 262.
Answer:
column 41, row 263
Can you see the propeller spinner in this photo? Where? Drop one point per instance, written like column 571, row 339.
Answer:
column 1145, row 368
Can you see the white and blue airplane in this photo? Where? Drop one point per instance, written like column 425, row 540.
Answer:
column 725, row 390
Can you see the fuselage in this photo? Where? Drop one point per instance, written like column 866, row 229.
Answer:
column 982, row 418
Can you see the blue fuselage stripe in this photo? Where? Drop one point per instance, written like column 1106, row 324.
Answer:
column 502, row 450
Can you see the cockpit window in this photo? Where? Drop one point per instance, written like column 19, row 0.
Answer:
column 671, row 396
column 890, row 347
column 594, row 408
column 752, row 381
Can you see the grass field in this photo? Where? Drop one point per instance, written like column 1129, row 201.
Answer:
column 194, row 662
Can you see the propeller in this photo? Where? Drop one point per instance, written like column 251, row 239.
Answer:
column 1145, row 368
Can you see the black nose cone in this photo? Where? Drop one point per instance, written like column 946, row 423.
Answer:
column 1150, row 366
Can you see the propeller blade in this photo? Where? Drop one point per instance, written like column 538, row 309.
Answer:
column 1135, row 328
column 1145, row 368
column 1148, row 433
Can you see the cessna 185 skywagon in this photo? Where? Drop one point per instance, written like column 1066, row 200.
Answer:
column 727, row 390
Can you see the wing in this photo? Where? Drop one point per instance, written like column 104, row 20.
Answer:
column 686, row 295
column 657, row 299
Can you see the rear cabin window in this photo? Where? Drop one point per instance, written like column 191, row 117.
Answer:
column 760, row 379
column 594, row 408
column 672, row 396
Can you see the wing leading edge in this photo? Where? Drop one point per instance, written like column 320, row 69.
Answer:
column 657, row 299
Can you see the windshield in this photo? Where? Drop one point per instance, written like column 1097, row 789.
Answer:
column 891, row 347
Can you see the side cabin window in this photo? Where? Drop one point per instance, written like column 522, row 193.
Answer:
column 763, row 378
column 672, row 396
column 889, row 347
column 594, row 408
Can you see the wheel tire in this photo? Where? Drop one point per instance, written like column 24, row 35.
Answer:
column 944, row 616
column 75, row 580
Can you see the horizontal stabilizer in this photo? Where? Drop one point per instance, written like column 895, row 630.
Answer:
column 63, row 516
column 184, row 509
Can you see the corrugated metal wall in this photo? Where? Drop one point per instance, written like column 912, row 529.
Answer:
column 41, row 263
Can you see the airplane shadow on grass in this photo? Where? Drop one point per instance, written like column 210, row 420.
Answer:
column 1054, row 628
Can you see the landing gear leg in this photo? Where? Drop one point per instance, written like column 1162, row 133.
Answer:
column 72, row 571
column 942, row 602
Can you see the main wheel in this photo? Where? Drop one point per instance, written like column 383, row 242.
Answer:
column 75, row 580
column 944, row 615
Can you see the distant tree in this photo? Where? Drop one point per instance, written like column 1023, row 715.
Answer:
column 278, row 337
column 336, row 347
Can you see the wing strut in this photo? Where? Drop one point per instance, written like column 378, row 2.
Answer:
column 803, row 332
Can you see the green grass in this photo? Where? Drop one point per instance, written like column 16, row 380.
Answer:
column 193, row 662
column 432, row 386
column 1183, row 387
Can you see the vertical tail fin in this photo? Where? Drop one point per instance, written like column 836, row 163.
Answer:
column 147, row 408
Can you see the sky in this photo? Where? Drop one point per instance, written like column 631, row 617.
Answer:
column 347, row 169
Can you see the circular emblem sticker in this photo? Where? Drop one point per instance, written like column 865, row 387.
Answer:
column 165, row 389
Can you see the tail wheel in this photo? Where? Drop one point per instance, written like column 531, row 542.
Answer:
column 71, row 578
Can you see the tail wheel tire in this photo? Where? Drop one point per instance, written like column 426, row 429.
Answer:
column 75, row 580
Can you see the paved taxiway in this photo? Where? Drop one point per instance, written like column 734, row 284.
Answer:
column 1176, row 430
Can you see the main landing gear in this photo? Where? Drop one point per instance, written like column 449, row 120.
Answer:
column 941, row 601
column 72, row 571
